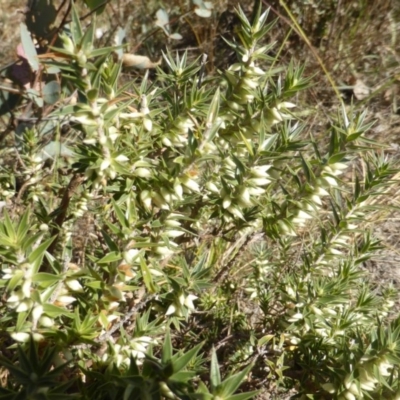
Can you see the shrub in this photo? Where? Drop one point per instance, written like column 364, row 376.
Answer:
column 216, row 234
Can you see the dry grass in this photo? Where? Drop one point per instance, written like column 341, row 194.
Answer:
column 10, row 17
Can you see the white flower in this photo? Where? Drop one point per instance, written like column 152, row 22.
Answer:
column 189, row 301
column 184, row 125
column 166, row 195
column 121, row 158
column 329, row 387
column 296, row 317
column 74, row 285
column 171, row 310
column 166, row 142
column 190, row 184
column 20, row 336
column 23, row 306
column 260, row 171
column 278, row 116
column 384, row 368
column 316, row 310
column 174, row 233
column 46, row 322
column 65, row 300
column 130, row 255
column 9, row 273
column 285, row 104
column 338, row 168
column 104, row 165
column 172, row 223
column 235, row 211
column 91, row 141
column 244, row 197
column 334, row 251
column 145, row 197
column 131, row 115
column 367, row 381
column 37, row 312
column 316, row 199
column 302, row 216
column 142, row 172
column 99, row 33
column 85, row 119
column 148, row 124
column 259, row 181
column 26, row 288
column 212, row 187
column 14, row 299
column 321, row 192
column 159, row 201
column 329, row 181
column 256, row 191
column 164, row 251
column 349, row 396
column 226, row 202
column 250, row 83
column 178, row 189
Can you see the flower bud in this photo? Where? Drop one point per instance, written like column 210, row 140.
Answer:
column 68, row 44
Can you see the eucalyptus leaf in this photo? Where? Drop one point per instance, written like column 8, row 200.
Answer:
column 51, row 92
column 29, row 48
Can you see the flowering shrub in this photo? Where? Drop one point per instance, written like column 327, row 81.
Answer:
column 219, row 230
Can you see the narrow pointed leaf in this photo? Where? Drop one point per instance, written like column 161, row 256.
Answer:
column 231, row 384
column 215, row 375
column 167, row 348
column 181, row 362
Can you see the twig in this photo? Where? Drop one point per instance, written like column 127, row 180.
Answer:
column 225, row 269
column 142, row 304
column 61, row 213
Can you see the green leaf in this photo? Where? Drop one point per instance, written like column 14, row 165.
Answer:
column 54, row 311
column 20, row 325
column 29, row 48
column 44, row 277
column 35, row 96
column 23, row 227
column 76, row 27
column 215, row 375
column 338, row 157
column 120, row 215
column 110, row 257
column 95, row 284
column 110, row 243
column 55, row 149
column 167, row 348
column 307, row 169
column 264, row 340
column 230, row 384
column 51, row 92
column 103, row 51
column 247, row 144
column 10, row 231
column 18, row 373
column 96, row 5
column 213, row 109
column 88, row 39
column 268, row 143
column 37, row 255
column 146, row 275
column 180, row 362
column 15, row 280
column 244, row 396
